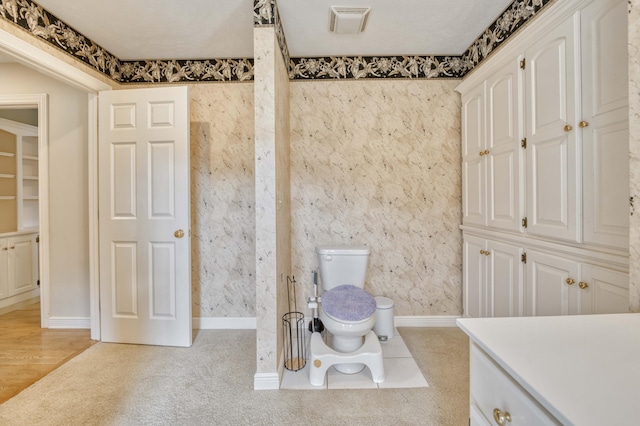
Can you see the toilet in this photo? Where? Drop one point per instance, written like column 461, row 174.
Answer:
column 348, row 312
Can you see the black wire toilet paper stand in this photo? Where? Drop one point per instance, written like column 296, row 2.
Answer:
column 294, row 332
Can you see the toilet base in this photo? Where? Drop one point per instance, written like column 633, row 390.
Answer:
column 323, row 357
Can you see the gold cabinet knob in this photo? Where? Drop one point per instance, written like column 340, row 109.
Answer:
column 570, row 281
column 584, row 124
column 568, row 128
column 481, row 251
column 4, row 248
column 179, row 233
column 501, row 417
column 583, row 285
column 486, row 152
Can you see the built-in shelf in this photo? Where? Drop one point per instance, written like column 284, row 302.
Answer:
column 19, row 182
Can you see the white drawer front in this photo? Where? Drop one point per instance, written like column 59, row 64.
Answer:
column 492, row 388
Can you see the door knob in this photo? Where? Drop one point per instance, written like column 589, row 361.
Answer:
column 568, row 128
column 584, row 124
column 570, row 281
column 583, row 285
column 179, row 233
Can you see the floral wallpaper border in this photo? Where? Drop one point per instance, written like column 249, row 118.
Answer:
column 40, row 23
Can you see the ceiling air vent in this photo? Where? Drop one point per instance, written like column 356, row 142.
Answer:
column 348, row 20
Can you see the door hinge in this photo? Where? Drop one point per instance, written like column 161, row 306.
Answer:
column 523, row 257
column 523, row 63
column 524, row 222
column 523, row 143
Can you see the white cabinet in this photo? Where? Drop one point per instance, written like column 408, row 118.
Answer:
column 558, row 285
column 545, row 166
column 492, row 278
column 19, row 188
column 18, row 265
column 492, row 157
column 551, row 285
column 605, row 131
column 552, row 166
column 473, row 161
column 495, row 396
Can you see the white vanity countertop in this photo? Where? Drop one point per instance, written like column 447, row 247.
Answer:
column 585, row 370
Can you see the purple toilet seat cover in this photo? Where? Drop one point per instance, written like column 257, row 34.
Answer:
column 348, row 303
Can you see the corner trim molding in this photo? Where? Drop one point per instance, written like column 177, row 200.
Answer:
column 70, row 322
column 266, row 381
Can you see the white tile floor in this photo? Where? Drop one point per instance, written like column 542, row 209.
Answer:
column 401, row 371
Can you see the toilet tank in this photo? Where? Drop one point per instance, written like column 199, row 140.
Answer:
column 341, row 265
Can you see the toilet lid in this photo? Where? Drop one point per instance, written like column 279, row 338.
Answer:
column 348, row 303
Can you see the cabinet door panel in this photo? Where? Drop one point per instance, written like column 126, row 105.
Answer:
column 473, row 164
column 552, row 163
column 504, row 161
column 607, row 291
column 4, row 270
column 606, row 138
column 504, row 282
column 606, row 182
column 474, row 277
column 473, row 122
column 473, row 190
column 547, row 291
column 21, row 267
column 604, row 57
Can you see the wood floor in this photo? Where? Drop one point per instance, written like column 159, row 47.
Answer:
column 28, row 352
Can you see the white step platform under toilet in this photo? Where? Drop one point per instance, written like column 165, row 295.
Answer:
column 323, row 358
column 401, row 371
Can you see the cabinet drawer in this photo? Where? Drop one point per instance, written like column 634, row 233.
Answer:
column 492, row 388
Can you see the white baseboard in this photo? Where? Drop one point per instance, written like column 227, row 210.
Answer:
column 427, row 321
column 224, row 323
column 249, row 323
column 69, row 322
column 266, row 381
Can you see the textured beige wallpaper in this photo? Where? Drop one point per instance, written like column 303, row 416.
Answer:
column 378, row 163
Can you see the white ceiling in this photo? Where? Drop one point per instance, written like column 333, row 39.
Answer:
column 204, row 29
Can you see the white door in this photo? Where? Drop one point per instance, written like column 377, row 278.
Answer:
column 474, row 270
column 473, row 158
column 504, row 282
column 22, row 268
column 603, row 291
column 553, row 192
column 4, row 268
column 605, row 123
column 145, row 271
column 551, row 285
column 504, row 157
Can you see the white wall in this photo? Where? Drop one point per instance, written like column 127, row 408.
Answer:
column 69, row 239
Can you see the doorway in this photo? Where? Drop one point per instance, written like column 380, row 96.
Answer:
column 25, row 117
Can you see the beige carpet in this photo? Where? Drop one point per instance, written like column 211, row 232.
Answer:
column 211, row 383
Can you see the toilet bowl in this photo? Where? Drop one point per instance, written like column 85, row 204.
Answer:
column 348, row 313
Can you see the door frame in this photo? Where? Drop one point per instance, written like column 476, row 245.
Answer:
column 31, row 56
column 39, row 102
